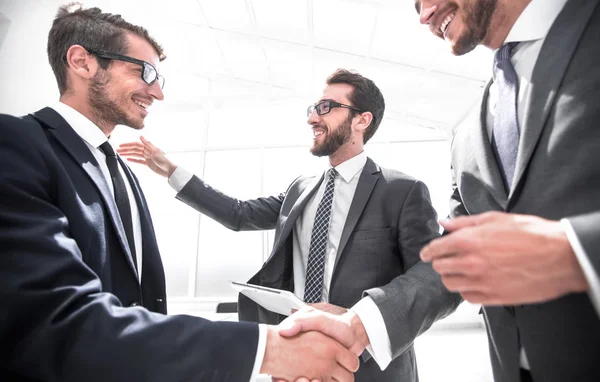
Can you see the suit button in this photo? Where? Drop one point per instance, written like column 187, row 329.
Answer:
column 135, row 303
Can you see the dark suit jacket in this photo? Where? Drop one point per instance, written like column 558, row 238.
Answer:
column 557, row 176
column 73, row 308
column 390, row 219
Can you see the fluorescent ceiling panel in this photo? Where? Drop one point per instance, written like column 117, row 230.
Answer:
column 282, row 20
column 245, row 56
column 192, row 50
column 343, row 25
column 186, row 11
column 291, row 65
column 230, row 15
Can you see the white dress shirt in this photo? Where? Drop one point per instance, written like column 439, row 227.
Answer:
column 531, row 29
column 93, row 138
column 345, row 186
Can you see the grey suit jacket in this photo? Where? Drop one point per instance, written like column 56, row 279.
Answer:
column 390, row 220
column 557, row 176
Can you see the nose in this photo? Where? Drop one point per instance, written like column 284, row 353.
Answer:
column 313, row 118
column 156, row 91
column 426, row 13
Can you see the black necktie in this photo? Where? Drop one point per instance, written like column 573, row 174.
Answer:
column 315, row 269
column 506, row 124
column 121, row 197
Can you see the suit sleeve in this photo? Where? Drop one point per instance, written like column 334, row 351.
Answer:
column 457, row 208
column 57, row 324
column 412, row 302
column 237, row 215
column 584, row 237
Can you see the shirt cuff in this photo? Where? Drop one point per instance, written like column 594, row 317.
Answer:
column 260, row 351
column 588, row 269
column 372, row 320
column 179, row 178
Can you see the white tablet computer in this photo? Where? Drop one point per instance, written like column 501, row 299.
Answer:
column 275, row 300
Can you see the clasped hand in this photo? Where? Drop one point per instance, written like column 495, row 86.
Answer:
column 324, row 345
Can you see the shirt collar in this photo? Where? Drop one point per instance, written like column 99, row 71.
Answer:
column 535, row 21
column 351, row 167
column 85, row 128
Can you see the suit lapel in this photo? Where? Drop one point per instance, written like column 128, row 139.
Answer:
column 486, row 160
column 295, row 212
column 364, row 188
column 76, row 147
column 548, row 73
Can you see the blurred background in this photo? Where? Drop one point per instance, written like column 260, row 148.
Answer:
column 239, row 77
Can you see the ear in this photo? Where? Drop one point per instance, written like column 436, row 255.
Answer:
column 81, row 63
column 364, row 121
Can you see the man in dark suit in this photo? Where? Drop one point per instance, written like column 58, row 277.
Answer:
column 81, row 279
column 525, row 238
column 349, row 238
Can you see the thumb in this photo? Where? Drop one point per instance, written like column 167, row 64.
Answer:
column 295, row 323
column 289, row 329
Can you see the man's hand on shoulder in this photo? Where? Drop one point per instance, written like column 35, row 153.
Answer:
column 146, row 153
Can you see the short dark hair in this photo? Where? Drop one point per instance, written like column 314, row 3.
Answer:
column 92, row 29
column 366, row 96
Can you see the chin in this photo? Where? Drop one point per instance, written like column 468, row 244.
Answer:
column 135, row 123
column 462, row 47
column 318, row 151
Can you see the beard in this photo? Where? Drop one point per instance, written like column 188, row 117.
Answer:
column 477, row 16
column 105, row 109
column 334, row 139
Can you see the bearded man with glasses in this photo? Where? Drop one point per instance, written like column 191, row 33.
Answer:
column 348, row 239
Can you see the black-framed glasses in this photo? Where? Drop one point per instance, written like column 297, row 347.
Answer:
column 325, row 107
column 149, row 72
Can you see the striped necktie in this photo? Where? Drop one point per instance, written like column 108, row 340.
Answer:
column 313, row 289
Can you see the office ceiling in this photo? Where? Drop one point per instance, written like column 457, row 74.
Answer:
column 279, row 52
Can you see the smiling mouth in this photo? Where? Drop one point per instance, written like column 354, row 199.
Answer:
column 446, row 23
column 141, row 104
column 318, row 132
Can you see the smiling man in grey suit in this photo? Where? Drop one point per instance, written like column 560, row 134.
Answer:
column 349, row 238
column 529, row 153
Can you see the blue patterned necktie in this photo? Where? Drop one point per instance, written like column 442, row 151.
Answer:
column 506, row 124
column 313, row 288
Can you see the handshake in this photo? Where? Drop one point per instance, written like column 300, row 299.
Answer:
column 315, row 345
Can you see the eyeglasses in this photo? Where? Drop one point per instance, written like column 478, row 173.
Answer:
column 149, row 72
column 325, row 107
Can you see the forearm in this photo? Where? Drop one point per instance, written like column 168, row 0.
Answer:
column 411, row 303
column 237, row 215
column 58, row 324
